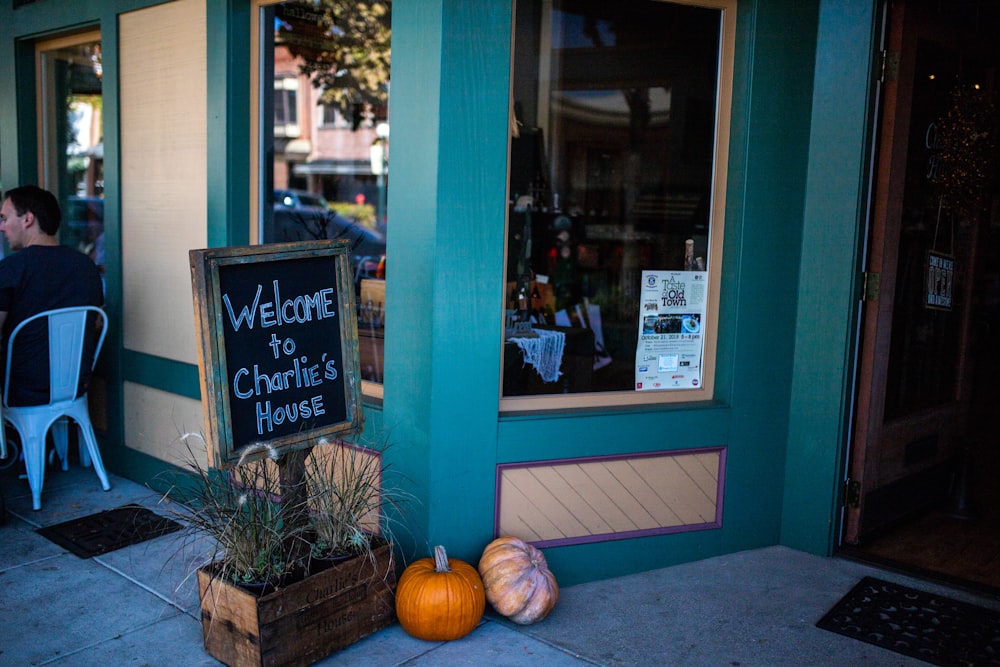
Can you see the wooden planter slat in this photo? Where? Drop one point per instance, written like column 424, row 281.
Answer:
column 300, row 623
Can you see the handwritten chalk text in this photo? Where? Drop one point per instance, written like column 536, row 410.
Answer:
column 298, row 310
column 269, row 416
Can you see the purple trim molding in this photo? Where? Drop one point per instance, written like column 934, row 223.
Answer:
column 625, row 535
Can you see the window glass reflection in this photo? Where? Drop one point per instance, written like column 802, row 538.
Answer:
column 324, row 141
column 611, row 174
column 70, row 79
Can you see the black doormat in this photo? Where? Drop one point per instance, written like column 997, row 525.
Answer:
column 922, row 625
column 109, row 530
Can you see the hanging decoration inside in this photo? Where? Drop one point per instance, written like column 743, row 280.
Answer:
column 966, row 145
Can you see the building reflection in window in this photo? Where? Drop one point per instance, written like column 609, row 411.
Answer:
column 324, row 142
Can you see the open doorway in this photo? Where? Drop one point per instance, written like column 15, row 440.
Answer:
column 925, row 453
column 69, row 92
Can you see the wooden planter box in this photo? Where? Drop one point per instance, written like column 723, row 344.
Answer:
column 300, row 623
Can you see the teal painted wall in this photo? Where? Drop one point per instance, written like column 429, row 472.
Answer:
column 795, row 182
column 413, row 209
column 448, row 156
column 228, row 70
column 767, row 176
column 445, row 274
column 832, row 238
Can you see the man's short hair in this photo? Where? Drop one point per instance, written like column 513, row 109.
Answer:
column 42, row 204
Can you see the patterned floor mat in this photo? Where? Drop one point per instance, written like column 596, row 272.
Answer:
column 109, row 530
column 922, row 625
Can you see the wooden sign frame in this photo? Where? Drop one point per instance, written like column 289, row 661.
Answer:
column 272, row 322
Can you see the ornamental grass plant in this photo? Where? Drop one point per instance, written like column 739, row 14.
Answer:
column 260, row 542
column 352, row 502
column 255, row 535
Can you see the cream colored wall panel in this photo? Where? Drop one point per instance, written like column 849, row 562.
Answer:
column 678, row 489
column 588, row 499
column 546, row 486
column 623, row 512
column 164, row 173
column 595, row 505
column 598, row 499
column 589, row 487
column 514, row 521
column 509, row 513
column 645, row 483
column 163, row 425
column 688, row 473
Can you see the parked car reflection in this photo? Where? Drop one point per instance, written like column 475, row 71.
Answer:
column 299, row 199
column 291, row 225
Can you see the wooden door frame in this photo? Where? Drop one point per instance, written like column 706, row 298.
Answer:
column 875, row 442
column 877, row 313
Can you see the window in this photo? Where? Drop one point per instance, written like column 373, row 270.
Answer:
column 616, row 181
column 286, row 114
column 322, row 144
column 331, row 117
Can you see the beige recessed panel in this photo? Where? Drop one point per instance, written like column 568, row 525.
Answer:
column 610, row 498
column 164, row 173
column 164, row 425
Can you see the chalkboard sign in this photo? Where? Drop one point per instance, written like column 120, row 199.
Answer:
column 278, row 354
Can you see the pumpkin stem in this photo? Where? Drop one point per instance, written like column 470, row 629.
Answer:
column 440, row 560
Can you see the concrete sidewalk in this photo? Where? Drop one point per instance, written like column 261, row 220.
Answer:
column 139, row 605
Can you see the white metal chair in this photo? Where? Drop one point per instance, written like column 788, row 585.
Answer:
column 67, row 335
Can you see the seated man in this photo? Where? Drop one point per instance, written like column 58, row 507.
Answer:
column 40, row 275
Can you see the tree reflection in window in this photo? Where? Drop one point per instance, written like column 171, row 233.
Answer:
column 326, row 110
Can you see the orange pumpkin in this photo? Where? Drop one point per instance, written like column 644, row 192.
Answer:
column 517, row 579
column 440, row 598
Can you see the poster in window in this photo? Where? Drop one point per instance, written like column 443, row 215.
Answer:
column 671, row 343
